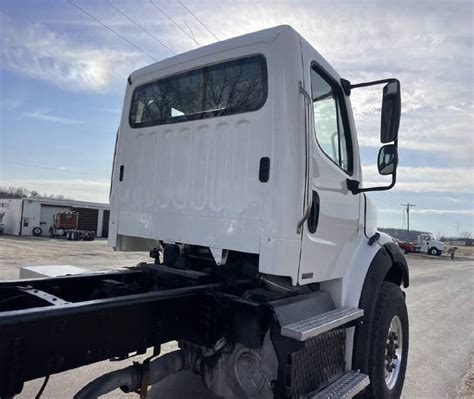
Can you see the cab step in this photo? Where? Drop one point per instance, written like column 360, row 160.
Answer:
column 308, row 328
column 345, row 387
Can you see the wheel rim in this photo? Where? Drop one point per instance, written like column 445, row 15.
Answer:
column 393, row 352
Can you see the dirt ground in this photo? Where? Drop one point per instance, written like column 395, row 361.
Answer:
column 440, row 306
column 16, row 252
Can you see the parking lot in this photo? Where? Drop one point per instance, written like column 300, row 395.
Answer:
column 440, row 306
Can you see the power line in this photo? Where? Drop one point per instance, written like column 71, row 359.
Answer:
column 111, row 30
column 190, row 31
column 197, row 19
column 173, row 21
column 140, row 27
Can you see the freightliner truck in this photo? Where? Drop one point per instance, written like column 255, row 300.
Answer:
column 237, row 166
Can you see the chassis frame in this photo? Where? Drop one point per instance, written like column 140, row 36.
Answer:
column 52, row 332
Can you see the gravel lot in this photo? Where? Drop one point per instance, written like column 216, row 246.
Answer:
column 440, row 306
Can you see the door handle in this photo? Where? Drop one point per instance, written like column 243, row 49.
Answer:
column 313, row 218
column 307, row 205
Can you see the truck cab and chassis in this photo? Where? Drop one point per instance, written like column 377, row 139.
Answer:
column 237, row 166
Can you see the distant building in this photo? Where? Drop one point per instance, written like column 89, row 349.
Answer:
column 22, row 215
column 462, row 242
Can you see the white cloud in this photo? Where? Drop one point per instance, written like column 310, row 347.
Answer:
column 51, row 118
column 426, row 179
column 454, row 200
column 469, row 212
column 36, row 51
column 113, row 110
column 445, row 211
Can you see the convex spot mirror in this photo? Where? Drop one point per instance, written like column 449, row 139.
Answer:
column 388, row 159
column 391, row 110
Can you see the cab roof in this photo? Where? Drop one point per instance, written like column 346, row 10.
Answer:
column 263, row 36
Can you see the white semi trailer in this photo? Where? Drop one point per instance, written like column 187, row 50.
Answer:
column 237, row 166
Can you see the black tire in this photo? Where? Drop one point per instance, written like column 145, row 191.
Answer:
column 37, row 231
column 433, row 251
column 390, row 303
column 92, row 235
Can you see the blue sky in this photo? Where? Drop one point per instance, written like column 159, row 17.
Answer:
column 62, row 79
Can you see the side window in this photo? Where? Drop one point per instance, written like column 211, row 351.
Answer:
column 328, row 126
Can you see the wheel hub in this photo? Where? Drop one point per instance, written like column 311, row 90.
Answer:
column 393, row 352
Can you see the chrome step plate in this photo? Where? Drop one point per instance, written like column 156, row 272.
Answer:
column 345, row 387
column 308, row 328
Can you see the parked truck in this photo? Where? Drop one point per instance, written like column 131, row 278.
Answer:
column 428, row 244
column 237, row 166
column 424, row 243
column 66, row 224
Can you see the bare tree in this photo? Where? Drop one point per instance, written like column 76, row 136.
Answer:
column 22, row 192
column 465, row 234
column 13, row 192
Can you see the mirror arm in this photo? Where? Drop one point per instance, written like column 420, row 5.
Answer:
column 353, row 186
column 347, row 86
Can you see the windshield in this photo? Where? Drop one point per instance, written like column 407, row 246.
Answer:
column 227, row 88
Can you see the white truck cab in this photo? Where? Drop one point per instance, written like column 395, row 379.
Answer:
column 429, row 244
column 228, row 146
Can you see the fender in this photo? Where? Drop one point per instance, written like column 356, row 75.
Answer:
column 388, row 264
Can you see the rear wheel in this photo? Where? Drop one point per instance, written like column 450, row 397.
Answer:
column 388, row 344
column 37, row 231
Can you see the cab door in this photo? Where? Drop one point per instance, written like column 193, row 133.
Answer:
column 425, row 243
column 331, row 229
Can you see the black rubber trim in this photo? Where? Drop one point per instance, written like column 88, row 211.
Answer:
column 399, row 261
column 388, row 264
column 342, row 105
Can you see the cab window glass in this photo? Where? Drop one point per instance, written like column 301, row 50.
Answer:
column 328, row 126
column 227, row 88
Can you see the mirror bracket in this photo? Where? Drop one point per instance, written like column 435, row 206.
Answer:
column 353, row 186
column 346, row 86
column 365, row 84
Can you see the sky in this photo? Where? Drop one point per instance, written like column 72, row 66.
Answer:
column 63, row 75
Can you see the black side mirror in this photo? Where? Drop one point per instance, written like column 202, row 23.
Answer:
column 390, row 122
column 388, row 159
column 391, row 110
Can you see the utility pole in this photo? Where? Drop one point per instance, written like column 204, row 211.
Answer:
column 408, row 206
